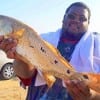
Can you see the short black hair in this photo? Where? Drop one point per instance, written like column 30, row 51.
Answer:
column 80, row 4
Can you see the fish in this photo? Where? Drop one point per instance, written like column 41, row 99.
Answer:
column 43, row 56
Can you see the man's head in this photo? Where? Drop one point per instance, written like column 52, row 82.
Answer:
column 76, row 18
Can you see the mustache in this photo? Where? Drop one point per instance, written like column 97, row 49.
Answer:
column 74, row 23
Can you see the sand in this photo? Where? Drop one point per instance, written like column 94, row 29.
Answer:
column 11, row 90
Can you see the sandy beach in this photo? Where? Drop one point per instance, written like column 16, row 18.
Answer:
column 10, row 90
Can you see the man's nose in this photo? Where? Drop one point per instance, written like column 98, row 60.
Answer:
column 77, row 19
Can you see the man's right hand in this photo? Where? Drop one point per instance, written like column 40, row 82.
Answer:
column 8, row 45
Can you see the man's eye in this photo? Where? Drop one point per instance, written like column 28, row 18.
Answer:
column 71, row 16
column 82, row 19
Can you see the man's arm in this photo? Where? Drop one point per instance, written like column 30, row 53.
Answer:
column 23, row 70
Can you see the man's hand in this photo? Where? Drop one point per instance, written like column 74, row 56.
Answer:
column 78, row 90
column 8, row 45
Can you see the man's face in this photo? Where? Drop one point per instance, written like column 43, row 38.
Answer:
column 76, row 20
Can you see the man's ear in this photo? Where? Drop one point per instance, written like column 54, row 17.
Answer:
column 88, row 21
column 63, row 19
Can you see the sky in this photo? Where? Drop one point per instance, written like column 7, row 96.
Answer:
column 46, row 15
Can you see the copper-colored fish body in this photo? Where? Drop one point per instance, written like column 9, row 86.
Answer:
column 36, row 52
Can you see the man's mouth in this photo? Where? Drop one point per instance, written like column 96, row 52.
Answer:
column 74, row 26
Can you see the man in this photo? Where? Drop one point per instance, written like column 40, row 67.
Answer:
column 71, row 41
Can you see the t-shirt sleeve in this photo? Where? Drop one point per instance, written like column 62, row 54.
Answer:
column 26, row 81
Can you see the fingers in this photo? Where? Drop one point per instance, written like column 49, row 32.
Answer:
column 1, row 38
column 78, row 90
column 72, row 89
column 11, row 53
column 84, row 89
column 8, row 45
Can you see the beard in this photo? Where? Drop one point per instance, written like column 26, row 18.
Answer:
column 72, row 35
